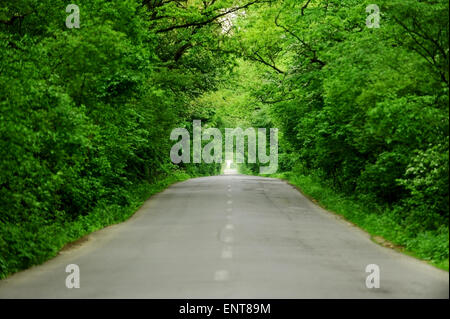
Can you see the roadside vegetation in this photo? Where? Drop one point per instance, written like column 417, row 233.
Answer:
column 363, row 112
column 86, row 115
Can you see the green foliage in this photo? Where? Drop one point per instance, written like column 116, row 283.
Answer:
column 86, row 115
column 362, row 110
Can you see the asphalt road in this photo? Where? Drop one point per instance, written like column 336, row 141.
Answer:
column 230, row 236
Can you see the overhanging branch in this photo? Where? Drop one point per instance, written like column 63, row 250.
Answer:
column 211, row 19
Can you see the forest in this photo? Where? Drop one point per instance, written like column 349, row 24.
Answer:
column 360, row 99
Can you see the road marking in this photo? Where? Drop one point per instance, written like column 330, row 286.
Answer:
column 227, row 252
column 228, row 239
column 229, row 202
column 221, row 275
column 229, row 227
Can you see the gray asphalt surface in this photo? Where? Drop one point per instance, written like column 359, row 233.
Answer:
column 230, row 236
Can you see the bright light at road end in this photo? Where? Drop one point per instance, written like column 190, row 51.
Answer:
column 228, row 170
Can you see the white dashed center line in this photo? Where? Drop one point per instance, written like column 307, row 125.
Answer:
column 221, row 275
column 228, row 239
column 229, row 227
column 227, row 252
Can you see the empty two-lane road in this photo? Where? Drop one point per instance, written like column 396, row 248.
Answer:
column 229, row 236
